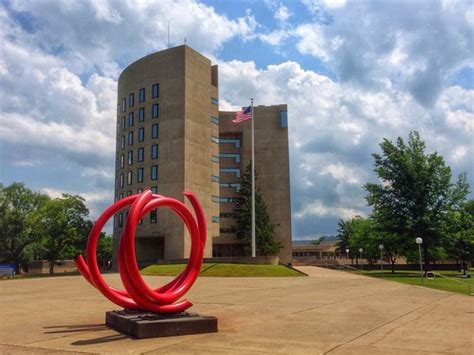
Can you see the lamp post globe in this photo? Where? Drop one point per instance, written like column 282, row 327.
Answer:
column 347, row 251
column 361, row 250
column 419, row 240
column 381, row 246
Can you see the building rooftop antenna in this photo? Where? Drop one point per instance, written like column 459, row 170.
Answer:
column 185, row 41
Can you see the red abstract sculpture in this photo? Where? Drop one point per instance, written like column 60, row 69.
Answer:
column 137, row 294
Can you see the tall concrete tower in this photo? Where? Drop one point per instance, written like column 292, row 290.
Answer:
column 167, row 141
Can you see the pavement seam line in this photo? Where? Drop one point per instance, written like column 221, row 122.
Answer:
column 25, row 346
column 386, row 323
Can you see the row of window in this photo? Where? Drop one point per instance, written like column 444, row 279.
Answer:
column 234, row 141
column 140, row 135
column 140, row 173
column 235, row 156
column 154, row 189
column 219, row 199
column 155, row 93
column 153, row 219
column 155, row 113
column 230, row 185
column 140, row 155
column 234, row 171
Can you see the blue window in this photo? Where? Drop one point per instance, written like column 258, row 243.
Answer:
column 154, row 131
column 130, row 138
column 215, row 178
column 223, row 199
column 153, row 217
column 230, row 185
column 215, row 159
column 120, row 219
column 121, row 180
column 124, row 105
column 230, row 155
column 154, row 189
column 129, row 178
column 214, row 101
column 141, row 115
column 130, row 157
column 227, row 199
column 140, row 154
column 215, row 219
column 140, row 175
column 129, row 193
column 131, row 100
column 155, row 91
column 141, row 95
column 139, row 191
column 215, row 120
column 234, row 141
column 130, row 119
column 141, row 134
column 122, row 123
column 154, row 172
column 284, row 119
column 154, row 151
column 231, row 170
column 122, row 161
column 155, row 110
column 122, row 142
column 215, row 139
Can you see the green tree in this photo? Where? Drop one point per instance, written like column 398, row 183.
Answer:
column 62, row 225
column 416, row 194
column 461, row 244
column 318, row 241
column 17, row 203
column 264, row 229
column 356, row 233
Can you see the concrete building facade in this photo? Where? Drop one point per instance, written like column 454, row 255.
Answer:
column 168, row 134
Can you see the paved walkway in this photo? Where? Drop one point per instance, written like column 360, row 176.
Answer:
column 328, row 312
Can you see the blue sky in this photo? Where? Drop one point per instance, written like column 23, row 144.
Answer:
column 351, row 72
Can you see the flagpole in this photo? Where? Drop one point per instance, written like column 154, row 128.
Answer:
column 253, row 184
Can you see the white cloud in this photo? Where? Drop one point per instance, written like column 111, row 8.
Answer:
column 414, row 46
column 334, row 129
column 98, row 34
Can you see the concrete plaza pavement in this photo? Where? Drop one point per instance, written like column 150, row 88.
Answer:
column 327, row 312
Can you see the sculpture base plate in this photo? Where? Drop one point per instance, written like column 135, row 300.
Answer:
column 144, row 324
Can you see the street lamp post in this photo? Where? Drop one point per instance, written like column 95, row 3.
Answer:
column 419, row 241
column 381, row 257
column 347, row 252
column 361, row 251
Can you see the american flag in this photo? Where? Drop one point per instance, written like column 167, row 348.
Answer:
column 244, row 115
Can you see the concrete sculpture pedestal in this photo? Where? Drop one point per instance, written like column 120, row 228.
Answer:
column 144, row 324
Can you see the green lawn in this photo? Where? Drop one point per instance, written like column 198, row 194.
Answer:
column 452, row 283
column 224, row 270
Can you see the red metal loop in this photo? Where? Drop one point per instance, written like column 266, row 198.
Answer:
column 137, row 294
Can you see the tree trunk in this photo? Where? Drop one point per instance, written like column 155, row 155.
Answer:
column 393, row 266
column 426, row 254
column 51, row 267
